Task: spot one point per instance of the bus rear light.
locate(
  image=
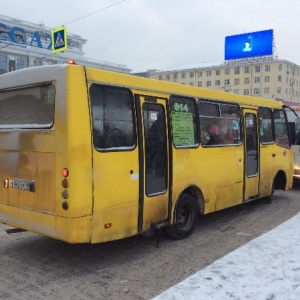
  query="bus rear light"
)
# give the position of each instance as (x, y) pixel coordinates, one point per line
(65, 172)
(65, 183)
(71, 62)
(65, 205)
(65, 194)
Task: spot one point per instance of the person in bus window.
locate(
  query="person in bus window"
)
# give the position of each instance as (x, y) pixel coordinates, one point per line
(213, 131)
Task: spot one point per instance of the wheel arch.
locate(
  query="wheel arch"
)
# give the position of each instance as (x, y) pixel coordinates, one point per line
(280, 181)
(196, 193)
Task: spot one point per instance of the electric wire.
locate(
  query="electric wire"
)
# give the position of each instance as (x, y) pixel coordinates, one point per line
(104, 8)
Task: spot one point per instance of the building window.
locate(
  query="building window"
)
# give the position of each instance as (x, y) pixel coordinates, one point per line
(208, 73)
(237, 70)
(247, 70)
(227, 82)
(208, 83)
(236, 91)
(183, 75)
(266, 90)
(246, 91)
(227, 71)
(280, 67)
(191, 74)
(159, 77)
(256, 79)
(175, 76)
(236, 81)
(199, 83)
(267, 78)
(199, 74)
(168, 77)
(217, 82)
(218, 72)
(256, 91)
(20, 63)
(191, 83)
(3, 64)
(267, 68)
(279, 78)
(246, 80)
(257, 69)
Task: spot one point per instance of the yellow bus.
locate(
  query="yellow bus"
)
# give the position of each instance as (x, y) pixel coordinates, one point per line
(89, 155)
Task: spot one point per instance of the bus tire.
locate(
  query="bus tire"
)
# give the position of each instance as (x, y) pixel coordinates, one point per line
(185, 218)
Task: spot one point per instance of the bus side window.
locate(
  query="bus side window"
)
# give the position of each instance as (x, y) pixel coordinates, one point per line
(265, 125)
(281, 130)
(183, 121)
(219, 124)
(113, 117)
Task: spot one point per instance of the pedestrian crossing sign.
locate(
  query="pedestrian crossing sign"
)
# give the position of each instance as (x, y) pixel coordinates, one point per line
(59, 39)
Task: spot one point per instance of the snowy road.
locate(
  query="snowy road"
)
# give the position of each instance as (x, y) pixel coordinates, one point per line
(268, 267)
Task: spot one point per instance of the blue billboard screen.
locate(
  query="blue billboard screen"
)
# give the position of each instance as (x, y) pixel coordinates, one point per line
(251, 44)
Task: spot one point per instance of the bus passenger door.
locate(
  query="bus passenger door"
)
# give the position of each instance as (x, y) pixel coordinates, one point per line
(251, 173)
(153, 161)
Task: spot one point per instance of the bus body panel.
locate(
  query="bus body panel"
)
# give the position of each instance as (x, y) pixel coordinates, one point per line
(38, 156)
(198, 166)
(71, 230)
(116, 184)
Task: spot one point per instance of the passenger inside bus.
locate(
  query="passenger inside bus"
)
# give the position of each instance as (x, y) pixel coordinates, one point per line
(213, 131)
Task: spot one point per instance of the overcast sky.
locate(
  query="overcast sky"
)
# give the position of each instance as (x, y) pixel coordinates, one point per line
(164, 34)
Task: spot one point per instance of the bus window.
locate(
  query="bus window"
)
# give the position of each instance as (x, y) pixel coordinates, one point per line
(265, 125)
(35, 102)
(183, 116)
(281, 130)
(156, 148)
(112, 111)
(219, 124)
(251, 145)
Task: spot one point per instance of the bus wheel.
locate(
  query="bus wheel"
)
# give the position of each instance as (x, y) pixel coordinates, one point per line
(185, 218)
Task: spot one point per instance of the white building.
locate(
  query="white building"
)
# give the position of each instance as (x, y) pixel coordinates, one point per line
(269, 78)
(24, 44)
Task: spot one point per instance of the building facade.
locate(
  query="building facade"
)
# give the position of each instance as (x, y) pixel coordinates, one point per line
(24, 44)
(268, 78)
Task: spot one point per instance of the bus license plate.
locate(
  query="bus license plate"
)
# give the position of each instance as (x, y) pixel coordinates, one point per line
(22, 184)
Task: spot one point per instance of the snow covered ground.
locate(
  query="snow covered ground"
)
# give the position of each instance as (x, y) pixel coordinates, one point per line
(266, 268)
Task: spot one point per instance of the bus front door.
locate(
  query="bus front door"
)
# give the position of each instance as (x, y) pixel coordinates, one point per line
(251, 174)
(153, 161)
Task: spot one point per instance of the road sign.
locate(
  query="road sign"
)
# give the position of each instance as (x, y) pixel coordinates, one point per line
(59, 39)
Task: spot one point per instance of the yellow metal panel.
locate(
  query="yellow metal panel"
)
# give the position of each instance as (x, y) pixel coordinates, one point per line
(71, 230)
(115, 223)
